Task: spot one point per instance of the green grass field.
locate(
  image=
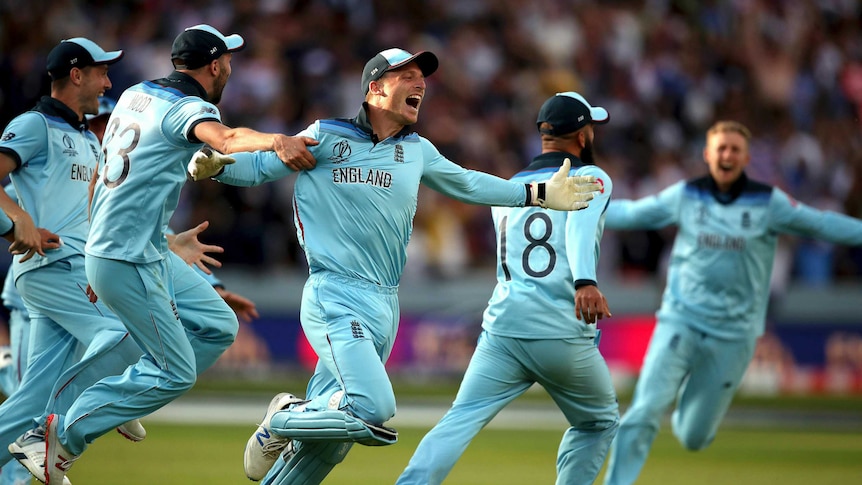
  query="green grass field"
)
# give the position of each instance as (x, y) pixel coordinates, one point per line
(199, 455)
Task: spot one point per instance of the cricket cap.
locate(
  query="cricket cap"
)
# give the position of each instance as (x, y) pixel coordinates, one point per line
(78, 52)
(568, 112)
(391, 59)
(201, 44)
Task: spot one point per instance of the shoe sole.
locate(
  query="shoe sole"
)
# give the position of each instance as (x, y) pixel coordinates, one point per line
(25, 461)
(131, 437)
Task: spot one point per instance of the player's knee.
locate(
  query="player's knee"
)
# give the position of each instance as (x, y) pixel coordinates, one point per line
(181, 379)
(376, 410)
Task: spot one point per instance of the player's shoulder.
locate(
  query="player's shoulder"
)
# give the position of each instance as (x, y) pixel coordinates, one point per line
(340, 128)
(25, 126)
(30, 118)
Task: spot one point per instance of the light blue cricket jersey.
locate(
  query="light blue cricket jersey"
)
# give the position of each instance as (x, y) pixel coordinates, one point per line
(56, 156)
(354, 211)
(542, 255)
(721, 261)
(147, 145)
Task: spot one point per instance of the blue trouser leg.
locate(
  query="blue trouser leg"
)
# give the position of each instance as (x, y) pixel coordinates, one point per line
(13, 473)
(143, 296)
(62, 320)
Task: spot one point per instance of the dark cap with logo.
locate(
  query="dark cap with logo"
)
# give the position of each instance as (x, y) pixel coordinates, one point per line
(201, 44)
(78, 52)
(394, 58)
(568, 112)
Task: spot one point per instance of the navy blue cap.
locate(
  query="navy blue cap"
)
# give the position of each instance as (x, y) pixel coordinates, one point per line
(394, 58)
(201, 44)
(568, 112)
(78, 52)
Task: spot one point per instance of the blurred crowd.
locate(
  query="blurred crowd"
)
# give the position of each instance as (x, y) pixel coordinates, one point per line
(666, 70)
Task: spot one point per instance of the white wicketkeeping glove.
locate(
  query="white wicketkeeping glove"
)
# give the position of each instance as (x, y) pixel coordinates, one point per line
(564, 193)
(207, 163)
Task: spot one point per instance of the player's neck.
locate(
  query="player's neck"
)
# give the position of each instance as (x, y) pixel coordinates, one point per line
(70, 99)
(382, 125)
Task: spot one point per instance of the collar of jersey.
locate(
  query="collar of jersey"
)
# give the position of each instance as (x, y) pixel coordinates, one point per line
(552, 160)
(185, 84)
(361, 122)
(732, 194)
(54, 107)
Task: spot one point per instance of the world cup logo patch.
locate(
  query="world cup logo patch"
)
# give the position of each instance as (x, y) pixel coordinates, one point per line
(340, 152)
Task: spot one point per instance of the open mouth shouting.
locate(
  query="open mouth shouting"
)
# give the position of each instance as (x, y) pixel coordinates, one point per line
(414, 100)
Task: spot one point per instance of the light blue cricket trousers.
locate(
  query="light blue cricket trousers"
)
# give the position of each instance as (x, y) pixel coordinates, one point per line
(14, 473)
(62, 319)
(701, 372)
(351, 324)
(19, 340)
(179, 320)
(572, 371)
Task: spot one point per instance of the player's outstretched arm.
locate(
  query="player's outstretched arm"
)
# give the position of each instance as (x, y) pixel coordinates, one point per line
(562, 192)
(292, 150)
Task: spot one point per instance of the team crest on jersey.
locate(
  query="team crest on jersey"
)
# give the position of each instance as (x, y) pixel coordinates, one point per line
(340, 152)
(702, 214)
(399, 153)
(746, 220)
(7, 136)
(70, 146)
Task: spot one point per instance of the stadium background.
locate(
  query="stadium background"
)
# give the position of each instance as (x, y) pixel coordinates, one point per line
(665, 70)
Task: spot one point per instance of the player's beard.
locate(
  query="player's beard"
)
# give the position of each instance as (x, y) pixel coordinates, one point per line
(218, 87)
(587, 153)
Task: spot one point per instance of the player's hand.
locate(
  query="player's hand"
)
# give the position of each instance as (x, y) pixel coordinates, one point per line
(590, 304)
(27, 239)
(187, 246)
(564, 193)
(207, 163)
(91, 295)
(49, 239)
(293, 151)
(244, 308)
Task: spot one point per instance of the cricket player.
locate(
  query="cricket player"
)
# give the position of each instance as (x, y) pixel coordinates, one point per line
(714, 305)
(49, 155)
(539, 326)
(354, 216)
(176, 317)
(13, 473)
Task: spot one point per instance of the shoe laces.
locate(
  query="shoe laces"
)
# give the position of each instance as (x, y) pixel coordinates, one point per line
(273, 447)
(35, 434)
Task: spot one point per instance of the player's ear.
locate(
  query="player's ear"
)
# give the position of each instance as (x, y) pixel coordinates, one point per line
(376, 87)
(214, 67)
(76, 75)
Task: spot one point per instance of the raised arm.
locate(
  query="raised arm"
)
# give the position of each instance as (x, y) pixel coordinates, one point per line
(652, 212)
(291, 150)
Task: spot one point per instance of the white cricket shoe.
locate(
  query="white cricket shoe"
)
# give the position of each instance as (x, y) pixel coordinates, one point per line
(132, 430)
(263, 447)
(29, 450)
(58, 460)
(5, 356)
